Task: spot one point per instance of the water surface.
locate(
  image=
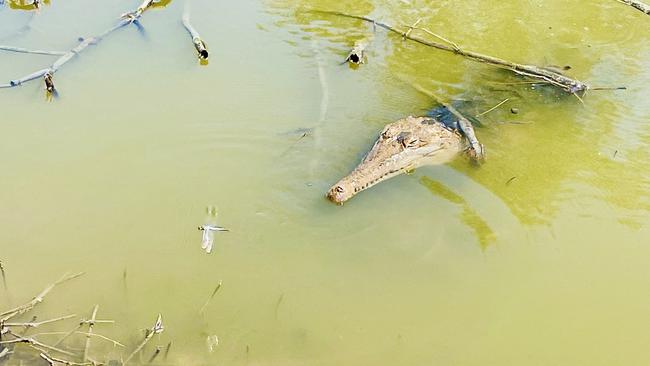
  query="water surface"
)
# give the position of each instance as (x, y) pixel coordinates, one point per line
(537, 257)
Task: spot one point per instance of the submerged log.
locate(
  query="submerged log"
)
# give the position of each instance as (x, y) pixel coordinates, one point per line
(568, 84)
(637, 5)
(199, 43)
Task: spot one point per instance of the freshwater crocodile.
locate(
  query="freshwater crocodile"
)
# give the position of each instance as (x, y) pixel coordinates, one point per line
(405, 145)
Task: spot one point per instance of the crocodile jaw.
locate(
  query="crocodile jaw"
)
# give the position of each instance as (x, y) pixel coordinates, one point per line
(401, 147)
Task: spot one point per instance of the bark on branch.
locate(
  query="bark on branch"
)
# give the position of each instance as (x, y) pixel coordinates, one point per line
(637, 5)
(48, 73)
(568, 84)
(198, 42)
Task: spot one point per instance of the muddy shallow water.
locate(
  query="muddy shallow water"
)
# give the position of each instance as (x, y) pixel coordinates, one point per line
(537, 257)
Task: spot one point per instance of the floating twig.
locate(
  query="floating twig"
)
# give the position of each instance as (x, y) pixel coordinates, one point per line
(5, 352)
(65, 57)
(35, 344)
(56, 361)
(36, 300)
(198, 42)
(156, 329)
(357, 55)
(155, 354)
(169, 346)
(568, 84)
(91, 324)
(38, 324)
(33, 52)
(4, 276)
(207, 302)
(493, 108)
(637, 5)
(510, 180)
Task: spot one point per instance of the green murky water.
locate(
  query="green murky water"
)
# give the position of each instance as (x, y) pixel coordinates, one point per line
(538, 257)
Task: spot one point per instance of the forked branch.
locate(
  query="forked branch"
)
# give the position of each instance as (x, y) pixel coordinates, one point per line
(568, 84)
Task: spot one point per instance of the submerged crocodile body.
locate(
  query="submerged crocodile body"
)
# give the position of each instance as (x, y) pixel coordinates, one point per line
(402, 146)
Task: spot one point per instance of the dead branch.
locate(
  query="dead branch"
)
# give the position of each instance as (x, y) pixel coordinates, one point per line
(198, 42)
(48, 72)
(35, 344)
(207, 302)
(156, 329)
(637, 5)
(33, 52)
(91, 324)
(22, 309)
(4, 276)
(568, 84)
(38, 324)
(358, 54)
(56, 361)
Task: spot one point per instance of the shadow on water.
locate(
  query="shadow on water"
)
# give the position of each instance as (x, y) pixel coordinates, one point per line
(468, 216)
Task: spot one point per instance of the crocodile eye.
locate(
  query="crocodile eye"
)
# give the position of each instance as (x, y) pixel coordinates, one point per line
(339, 189)
(385, 135)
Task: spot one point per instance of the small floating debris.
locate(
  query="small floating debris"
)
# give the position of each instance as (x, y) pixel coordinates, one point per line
(357, 55)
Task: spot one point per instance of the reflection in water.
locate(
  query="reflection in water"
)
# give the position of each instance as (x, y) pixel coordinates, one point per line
(468, 216)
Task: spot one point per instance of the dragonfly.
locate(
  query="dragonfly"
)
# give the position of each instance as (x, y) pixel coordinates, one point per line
(209, 229)
(208, 236)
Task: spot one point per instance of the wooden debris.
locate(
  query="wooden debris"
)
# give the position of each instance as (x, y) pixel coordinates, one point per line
(35, 324)
(91, 324)
(566, 83)
(33, 52)
(637, 5)
(199, 43)
(207, 302)
(357, 55)
(156, 329)
(35, 301)
(4, 276)
(65, 57)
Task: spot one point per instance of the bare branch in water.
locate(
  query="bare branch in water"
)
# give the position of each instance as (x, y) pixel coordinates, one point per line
(35, 344)
(198, 42)
(4, 276)
(48, 72)
(637, 5)
(33, 52)
(207, 303)
(36, 300)
(156, 329)
(56, 361)
(568, 84)
(38, 324)
(91, 324)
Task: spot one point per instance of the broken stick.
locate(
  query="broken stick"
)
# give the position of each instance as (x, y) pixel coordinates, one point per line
(48, 73)
(22, 309)
(568, 84)
(637, 5)
(156, 329)
(198, 42)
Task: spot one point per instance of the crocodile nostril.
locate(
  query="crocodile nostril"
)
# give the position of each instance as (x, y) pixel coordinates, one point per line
(339, 189)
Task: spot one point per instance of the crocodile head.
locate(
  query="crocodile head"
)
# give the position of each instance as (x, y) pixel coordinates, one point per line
(401, 147)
